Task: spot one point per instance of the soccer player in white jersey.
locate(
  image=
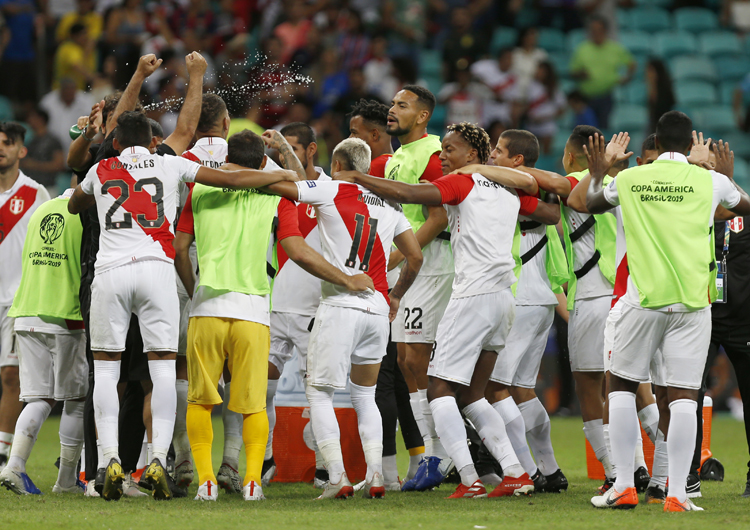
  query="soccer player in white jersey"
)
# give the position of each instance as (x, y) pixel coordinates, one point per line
(669, 291)
(136, 198)
(511, 386)
(476, 323)
(357, 229)
(20, 196)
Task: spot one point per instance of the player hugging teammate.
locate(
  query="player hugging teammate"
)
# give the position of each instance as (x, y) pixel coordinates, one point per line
(467, 231)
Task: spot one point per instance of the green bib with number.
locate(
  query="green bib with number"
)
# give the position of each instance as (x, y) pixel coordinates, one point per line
(232, 232)
(605, 241)
(51, 264)
(667, 217)
(407, 165)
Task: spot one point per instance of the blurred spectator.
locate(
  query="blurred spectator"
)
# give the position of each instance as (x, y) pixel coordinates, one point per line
(357, 90)
(464, 98)
(741, 104)
(736, 13)
(330, 82)
(406, 22)
(18, 66)
(125, 33)
(463, 45)
(84, 14)
(272, 82)
(558, 13)
(196, 26)
(64, 106)
(293, 32)
(306, 56)
(597, 63)
(494, 130)
(75, 58)
(379, 71)
(604, 9)
(660, 94)
(353, 42)
(498, 75)
(527, 56)
(104, 81)
(247, 119)
(544, 104)
(45, 157)
(583, 114)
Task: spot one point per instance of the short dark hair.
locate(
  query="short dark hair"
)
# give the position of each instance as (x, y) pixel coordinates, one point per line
(520, 142)
(76, 29)
(424, 96)
(156, 128)
(302, 131)
(371, 111)
(133, 129)
(246, 149)
(475, 136)
(580, 137)
(649, 144)
(13, 130)
(213, 109)
(601, 20)
(674, 130)
(110, 104)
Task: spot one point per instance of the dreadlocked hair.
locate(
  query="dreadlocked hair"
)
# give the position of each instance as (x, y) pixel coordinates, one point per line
(475, 136)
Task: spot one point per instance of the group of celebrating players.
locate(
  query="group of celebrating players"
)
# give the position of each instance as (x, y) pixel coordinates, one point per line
(230, 263)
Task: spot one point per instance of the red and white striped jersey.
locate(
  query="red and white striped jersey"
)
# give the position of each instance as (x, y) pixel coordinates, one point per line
(16, 206)
(294, 289)
(482, 215)
(357, 229)
(136, 198)
(210, 152)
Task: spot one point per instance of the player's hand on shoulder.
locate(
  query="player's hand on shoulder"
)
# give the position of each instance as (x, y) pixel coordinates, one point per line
(148, 64)
(360, 283)
(346, 176)
(273, 139)
(286, 174)
(196, 64)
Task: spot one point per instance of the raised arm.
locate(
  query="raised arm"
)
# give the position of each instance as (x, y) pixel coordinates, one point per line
(306, 257)
(181, 243)
(275, 140)
(549, 181)
(599, 165)
(725, 163)
(545, 213)
(506, 176)
(78, 152)
(80, 201)
(407, 244)
(243, 178)
(147, 65)
(395, 191)
(187, 121)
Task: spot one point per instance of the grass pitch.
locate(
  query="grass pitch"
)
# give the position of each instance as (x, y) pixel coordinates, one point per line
(292, 506)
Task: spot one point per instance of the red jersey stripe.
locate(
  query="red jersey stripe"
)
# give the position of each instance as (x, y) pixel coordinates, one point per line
(12, 211)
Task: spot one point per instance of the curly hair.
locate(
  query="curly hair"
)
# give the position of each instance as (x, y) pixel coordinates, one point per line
(475, 136)
(371, 111)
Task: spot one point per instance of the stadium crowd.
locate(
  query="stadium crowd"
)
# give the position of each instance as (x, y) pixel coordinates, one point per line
(201, 241)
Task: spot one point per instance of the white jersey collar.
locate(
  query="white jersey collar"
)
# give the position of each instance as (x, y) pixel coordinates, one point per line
(678, 157)
(135, 150)
(211, 140)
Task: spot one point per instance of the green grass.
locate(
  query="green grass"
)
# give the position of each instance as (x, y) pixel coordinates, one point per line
(292, 506)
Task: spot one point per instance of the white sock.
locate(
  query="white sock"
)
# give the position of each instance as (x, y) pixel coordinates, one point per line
(415, 401)
(491, 428)
(660, 469)
(163, 406)
(623, 430)
(516, 430)
(326, 429)
(414, 461)
(370, 425)
(681, 444)
(640, 459)
(180, 438)
(452, 431)
(71, 442)
(6, 440)
(649, 417)
(28, 426)
(538, 435)
(273, 384)
(233, 443)
(149, 452)
(143, 457)
(390, 469)
(107, 408)
(100, 455)
(83, 459)
(608, 443)
(435, 447)
(595, 435)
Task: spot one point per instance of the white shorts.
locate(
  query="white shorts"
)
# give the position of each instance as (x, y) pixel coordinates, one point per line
(656, 366)
(471, 325)
(146, 288)
(340, 337)
(287, 331)
(519, 363)
(52, 365)
(586, 334)
(682, 337)
(8, 354)
(185, 304)
(421, 309)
